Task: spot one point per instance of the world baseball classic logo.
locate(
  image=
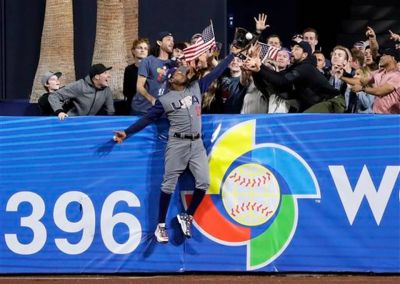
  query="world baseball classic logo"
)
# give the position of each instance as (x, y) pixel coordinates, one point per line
(252, 199)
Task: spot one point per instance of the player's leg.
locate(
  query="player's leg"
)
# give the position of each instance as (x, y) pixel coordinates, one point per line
(198, 165)
(176, 159)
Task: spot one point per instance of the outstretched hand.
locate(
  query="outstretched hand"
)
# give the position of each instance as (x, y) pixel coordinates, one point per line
(370, 33)
(253, 61)
(254, 51)
(252, 64)
(119, 136)
(394, 36)
(261, 22)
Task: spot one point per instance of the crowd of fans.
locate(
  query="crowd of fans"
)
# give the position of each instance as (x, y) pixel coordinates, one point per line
(364, 78)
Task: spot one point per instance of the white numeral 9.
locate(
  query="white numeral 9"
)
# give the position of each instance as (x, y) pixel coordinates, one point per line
(32, 222)
(86, 224)
(109, 221)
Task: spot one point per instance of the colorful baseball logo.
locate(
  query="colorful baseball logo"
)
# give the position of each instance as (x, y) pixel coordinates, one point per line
(252, 199)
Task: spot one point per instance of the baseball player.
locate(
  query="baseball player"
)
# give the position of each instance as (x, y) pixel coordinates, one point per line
(182, 106)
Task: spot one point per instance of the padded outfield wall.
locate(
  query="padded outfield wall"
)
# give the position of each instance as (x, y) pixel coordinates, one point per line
(288, 193)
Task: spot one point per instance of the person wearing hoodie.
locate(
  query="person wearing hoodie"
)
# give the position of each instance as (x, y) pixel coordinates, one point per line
(88, 96)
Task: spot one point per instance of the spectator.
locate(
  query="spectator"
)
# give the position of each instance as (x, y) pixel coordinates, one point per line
(342, 56)
(310, 35)
(340, 63)
(357, 59)
(360, 45)
(372, 42)
(275, 41)
(278, 102)
(140, 50)
(257, 96)
(321, 63)
(51, 83)
(88, 96)
(195, 37)
(301, 80)
(385, 83)
(177, 52)
(151, 75)
(233, 87)
(364, 102)
(261, 24)
(369, 59)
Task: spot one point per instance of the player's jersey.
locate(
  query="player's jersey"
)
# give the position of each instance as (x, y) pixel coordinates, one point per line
(183, 109)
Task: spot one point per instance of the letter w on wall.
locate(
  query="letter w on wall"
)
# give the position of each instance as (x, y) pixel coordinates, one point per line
(377, 199)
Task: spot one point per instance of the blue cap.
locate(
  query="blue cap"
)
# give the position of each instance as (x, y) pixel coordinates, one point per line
(163, 34)
(171, 71)
(392, 51)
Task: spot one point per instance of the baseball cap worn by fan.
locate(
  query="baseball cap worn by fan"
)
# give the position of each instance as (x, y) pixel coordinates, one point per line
(163, 34)
(48, 75)
(392, 51)
(98, 69)
(304, 45)
(360, 44)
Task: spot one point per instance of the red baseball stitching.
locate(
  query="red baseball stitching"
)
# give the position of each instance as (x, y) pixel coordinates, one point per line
(242, 207)
(250, 182)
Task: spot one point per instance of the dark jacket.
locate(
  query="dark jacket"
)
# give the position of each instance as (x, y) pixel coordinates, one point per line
(45, 107)
(130, 80)
(302, 81)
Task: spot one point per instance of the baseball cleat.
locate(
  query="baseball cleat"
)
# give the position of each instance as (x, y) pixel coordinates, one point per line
(161, 234)
(185, 221)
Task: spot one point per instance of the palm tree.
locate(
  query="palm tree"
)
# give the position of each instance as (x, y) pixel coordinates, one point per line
(117, 26)
(57, 45)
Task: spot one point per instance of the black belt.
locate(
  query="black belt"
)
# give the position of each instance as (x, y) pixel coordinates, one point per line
(187, 136)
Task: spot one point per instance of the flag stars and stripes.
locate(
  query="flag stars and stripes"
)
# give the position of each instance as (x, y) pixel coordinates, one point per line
(202, 44)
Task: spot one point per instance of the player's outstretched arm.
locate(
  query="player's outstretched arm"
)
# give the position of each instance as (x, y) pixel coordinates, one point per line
(154, 113)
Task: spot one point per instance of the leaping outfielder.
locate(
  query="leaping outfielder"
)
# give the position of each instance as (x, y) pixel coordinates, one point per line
(182, 106)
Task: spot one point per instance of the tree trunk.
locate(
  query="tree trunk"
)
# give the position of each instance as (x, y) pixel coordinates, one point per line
(117, 26)
(57, 45)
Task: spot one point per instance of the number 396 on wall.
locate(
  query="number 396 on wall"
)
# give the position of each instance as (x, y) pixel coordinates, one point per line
(86, 224)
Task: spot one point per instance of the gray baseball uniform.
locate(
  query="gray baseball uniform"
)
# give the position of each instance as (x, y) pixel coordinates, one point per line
(185, 146)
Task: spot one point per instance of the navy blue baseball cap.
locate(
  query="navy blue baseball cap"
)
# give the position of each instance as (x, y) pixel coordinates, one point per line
(392, 51)
(171, 71)
(304, 45)
(163, 34)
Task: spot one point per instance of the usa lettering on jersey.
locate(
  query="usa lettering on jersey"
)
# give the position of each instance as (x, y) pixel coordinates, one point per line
(185, 103)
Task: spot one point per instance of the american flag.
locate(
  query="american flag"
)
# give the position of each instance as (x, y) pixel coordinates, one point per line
(203, 43)
(268, 51)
